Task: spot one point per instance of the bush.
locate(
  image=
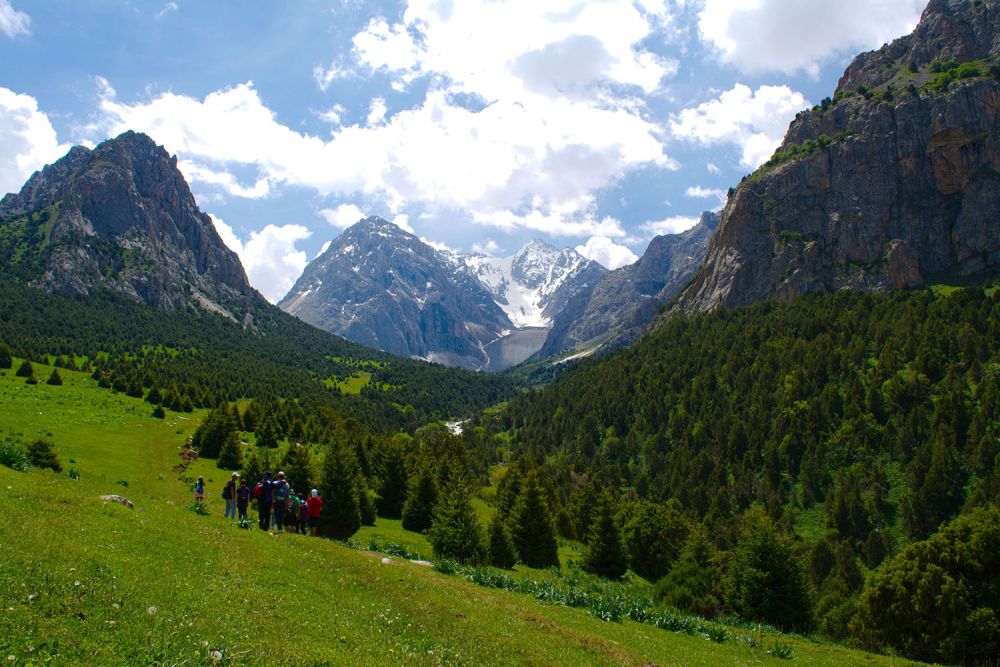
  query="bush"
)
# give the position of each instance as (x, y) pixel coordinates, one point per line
(939, 600)
(12, 454)
(42, 454)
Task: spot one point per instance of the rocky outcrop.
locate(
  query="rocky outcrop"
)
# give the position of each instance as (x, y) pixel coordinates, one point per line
(892, 183)
(626, 300)
(121, 217)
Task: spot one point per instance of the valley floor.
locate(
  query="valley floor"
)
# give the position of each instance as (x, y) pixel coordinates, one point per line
(85, 581)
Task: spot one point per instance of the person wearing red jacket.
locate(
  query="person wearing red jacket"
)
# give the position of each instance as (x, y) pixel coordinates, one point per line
(315, 504)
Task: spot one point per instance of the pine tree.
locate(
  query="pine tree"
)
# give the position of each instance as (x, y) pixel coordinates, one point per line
(605, 556)
(158, 412)
(365, 502)
(531, 528)
(154, 396)
(501, 552)
(231, 454)
(419, 508)
(253, 472)
(297, 464)
(42, 454)
(6, 359)
(341, 516)
(55, 379)
(267, 433)
(25, 369)
(392, 482)
(455, 532)
(693, 581)
(212, 433)
(765, 581)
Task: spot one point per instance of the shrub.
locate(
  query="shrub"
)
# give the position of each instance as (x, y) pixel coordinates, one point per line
(939, 600)
(42, 454)
(12, 454)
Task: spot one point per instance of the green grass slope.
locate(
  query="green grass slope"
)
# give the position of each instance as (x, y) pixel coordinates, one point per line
(84, 581)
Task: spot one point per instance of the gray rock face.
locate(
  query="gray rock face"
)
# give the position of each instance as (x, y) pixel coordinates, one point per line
(625, 301)
(907, 191)
(125, 220)
(380, 286)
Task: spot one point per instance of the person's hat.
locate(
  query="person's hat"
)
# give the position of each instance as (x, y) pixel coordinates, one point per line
(281, 474)
(236, 474)
(315, 493)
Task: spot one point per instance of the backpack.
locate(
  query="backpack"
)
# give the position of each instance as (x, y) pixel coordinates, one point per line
(225, 492)
(256, 491)
(281, 493)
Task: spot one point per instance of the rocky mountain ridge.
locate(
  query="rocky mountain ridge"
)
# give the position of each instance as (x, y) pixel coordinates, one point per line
(381, 286)
(121, 217)
(891, 183)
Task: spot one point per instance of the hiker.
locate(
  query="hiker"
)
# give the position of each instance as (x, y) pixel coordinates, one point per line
(315, 504)
(303, 515)
(293, 511)
(199, 490)
(263, 494)
(243, 499)
(229, 495)
(281, 492)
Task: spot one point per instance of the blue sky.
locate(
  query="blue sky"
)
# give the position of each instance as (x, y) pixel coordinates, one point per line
(477, 125)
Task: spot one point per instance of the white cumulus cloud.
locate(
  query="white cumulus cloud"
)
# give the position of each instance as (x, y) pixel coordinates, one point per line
(530, 109)
(12, 21)
(27, 140)
(792, 35)
(755, 120)
(672, 225)
(270, 257)
(487, 247)
(606, 252)
(343, 216)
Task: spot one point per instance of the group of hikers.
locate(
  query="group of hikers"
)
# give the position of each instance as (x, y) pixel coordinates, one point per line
(278, 505)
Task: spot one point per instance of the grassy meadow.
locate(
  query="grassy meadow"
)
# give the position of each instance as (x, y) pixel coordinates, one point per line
(84, 581)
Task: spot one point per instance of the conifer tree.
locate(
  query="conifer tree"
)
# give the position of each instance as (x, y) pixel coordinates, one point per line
(154, 396)
(254, 471)
(365, 502)
(419, 507)
(653, 537)
(765, 581)
(501, 551)
(209, 437)
(393, 481)
(605, 556)
(297, 464)
(531, 527)
(267, 433)
(693, 581)
(455, 532)
(158, 412)
(42, 454)
(341, 516)
(55, 379)
(6, 359)
(25, 369)
(231, 454)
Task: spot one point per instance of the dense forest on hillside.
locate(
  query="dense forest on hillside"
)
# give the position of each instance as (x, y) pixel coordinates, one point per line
(207, 358)
(853, 424)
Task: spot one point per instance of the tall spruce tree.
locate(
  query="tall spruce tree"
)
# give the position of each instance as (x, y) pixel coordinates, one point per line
(418, 511)
(501, 551)
(341, 515)
(531, 527)
(254, 471)
(55, 379)
(298, 468)
(455, 531)
(366, 504)
(209, 437)
(231, 453)
(6, 359)
(393, 480)
(25, 369)
(605, 556)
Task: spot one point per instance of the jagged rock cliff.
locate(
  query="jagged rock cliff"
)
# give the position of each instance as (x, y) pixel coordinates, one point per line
(892, 183)
(626, 300)
(121, 217)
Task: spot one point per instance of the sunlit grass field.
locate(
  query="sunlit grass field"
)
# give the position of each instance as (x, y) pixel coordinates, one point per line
(89, 582)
